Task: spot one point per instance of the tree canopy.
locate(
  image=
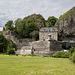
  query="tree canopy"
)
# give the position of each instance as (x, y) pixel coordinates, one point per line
(52, 20)
(9, 25)
(6, 46)
(30, 24)
(3, 43)
(25, 28)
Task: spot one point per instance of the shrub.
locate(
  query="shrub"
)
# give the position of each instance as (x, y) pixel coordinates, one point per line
(11, 47)
(57, 54)
(73, 57)
(71, 51)
(60, 54)
(32, 53)
(10, 51)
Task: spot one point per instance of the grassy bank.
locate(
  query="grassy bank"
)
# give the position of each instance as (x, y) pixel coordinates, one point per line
(28, 65)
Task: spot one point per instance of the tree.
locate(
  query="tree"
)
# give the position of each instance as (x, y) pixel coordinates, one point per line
(31, 26)
(52, 20)
(9, 25)
(11, 47)
(25, 28)
(34, 35)
(72, 50)
(73, 57)
(16, 23)
(3, 43)
(6, 46)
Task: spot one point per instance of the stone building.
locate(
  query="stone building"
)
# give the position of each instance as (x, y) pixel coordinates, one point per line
(45, 31)
(45, 46)
(25, 50)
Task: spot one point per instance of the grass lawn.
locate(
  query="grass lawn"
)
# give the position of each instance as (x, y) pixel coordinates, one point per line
(28, 65)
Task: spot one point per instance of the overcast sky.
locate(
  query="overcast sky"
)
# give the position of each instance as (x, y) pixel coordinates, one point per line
(13, 9)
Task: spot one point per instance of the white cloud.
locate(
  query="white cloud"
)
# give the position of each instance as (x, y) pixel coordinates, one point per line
(1, 28)
(13, 9)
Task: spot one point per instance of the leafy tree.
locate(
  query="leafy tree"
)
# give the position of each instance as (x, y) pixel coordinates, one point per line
(16, 23)
(34, 35)
(6, 46)
(9, 25)
(52, 20)
(10, 50)
(36, 18)
(11, 47)
(19, 28)
(72, 50)
(73, 57)
(31, 26)
(3, 43)
(47, 23)
(25, 28)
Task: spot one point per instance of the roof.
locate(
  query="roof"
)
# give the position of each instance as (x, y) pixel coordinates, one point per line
(26, 48)
(48, 29)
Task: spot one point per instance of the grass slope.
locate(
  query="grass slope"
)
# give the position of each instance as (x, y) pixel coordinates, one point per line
(27, 65)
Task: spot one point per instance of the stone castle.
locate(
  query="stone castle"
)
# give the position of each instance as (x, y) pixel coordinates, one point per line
(48, 37)
(46, 45)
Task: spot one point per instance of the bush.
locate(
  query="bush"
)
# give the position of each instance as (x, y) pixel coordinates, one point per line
(11, 47)
(32, 53)
(71, 51)
(10, 51)
(60, 54)
(73, 57)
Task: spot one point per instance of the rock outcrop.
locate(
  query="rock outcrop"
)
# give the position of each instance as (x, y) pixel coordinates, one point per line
(66, 24)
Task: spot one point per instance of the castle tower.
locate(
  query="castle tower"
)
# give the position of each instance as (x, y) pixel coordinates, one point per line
(46, 31)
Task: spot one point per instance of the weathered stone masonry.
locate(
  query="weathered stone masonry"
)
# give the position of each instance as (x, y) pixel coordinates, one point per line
(43, 47)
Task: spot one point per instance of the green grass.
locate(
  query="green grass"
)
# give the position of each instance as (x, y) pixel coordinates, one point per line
(28, 65)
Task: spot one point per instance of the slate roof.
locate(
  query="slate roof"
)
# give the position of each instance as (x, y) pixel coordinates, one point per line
(46, 29)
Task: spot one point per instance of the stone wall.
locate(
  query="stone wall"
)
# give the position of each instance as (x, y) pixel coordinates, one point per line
(16, 39)
(41, 48)
(67, 45)
(54, 35)
(55, 45)
(47, 47)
